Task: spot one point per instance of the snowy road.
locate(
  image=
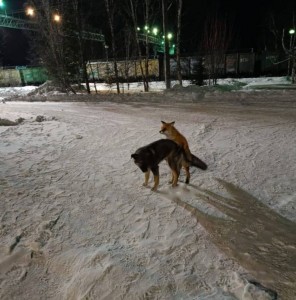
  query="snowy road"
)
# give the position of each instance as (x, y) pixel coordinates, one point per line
(76, 223)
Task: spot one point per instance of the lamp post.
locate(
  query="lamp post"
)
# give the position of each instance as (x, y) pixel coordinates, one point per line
(292, 54)
(291, 32)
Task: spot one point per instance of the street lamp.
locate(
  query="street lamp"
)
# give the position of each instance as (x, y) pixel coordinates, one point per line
(155, 30)
(291, 63)
(291, 32)
(57, 18)
(2, 6)
(30, 11)
(170, 36)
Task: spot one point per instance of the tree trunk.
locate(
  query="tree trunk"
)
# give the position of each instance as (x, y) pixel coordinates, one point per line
(133, 12)
(178, 50)
(110, 15)
(166, 46)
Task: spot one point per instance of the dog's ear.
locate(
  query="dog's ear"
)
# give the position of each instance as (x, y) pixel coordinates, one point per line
(163, 122)
(172, 123)
(134, 156)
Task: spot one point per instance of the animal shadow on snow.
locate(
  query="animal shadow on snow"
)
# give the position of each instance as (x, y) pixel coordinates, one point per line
(260, 239)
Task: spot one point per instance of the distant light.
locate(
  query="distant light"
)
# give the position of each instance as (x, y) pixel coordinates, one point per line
(138, 28)
(292, 31)
(57, 18)
(170, 36)
(30, 11)
(155, 30)
(2, 4)
(146, 27)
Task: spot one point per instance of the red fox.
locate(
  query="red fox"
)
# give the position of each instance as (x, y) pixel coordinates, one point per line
(169, 130)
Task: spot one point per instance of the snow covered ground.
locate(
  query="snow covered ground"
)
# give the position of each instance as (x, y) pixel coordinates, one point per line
(76, 222)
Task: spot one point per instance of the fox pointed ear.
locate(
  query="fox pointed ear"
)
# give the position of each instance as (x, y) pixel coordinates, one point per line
(163, 122)
(172, 123)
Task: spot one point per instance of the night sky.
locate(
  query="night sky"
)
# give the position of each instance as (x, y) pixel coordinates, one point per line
(249, 21)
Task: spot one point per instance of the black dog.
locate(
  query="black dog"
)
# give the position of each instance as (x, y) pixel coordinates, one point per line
(148, 157)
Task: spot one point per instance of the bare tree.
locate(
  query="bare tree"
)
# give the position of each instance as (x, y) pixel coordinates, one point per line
(178, 42)
(147, 21)
(132, 11)
(53, 43)
(129, 52)
(110, 8)
(290, 51)
(3, 36)
(78, 29)
(216, 40)
(167, 75)
(281, 39)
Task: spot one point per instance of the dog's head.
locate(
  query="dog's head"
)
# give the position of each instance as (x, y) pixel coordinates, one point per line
(139, 162)
(166, 128)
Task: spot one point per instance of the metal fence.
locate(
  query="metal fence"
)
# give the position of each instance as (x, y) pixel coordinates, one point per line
(228, 65)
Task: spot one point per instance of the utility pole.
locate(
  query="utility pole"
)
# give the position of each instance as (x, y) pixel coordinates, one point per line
(166, 46)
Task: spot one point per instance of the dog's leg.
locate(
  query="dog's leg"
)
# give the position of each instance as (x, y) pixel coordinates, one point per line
(172, 180)
(186, 168)
(175, 177)
(186, 164)
(155, 172)
(175, 168)
(147, 175)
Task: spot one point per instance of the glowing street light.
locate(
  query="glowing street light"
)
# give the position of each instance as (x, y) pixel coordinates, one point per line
(292, 31)
(57, 18)
(146, 27)
(30, 12)
(155, 30)
(170, 36)
(3, 6)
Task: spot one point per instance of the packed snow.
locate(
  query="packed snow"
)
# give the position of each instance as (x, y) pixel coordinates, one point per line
(76, 222)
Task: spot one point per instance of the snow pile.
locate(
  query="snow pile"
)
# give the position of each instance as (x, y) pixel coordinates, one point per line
(13, 92)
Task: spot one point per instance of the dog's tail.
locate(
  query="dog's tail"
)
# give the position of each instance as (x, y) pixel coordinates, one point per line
(196, 162)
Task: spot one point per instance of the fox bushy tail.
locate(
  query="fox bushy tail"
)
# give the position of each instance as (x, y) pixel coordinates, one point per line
(196, 162)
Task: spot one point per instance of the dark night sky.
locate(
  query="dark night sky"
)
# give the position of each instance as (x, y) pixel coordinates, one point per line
(248, 18)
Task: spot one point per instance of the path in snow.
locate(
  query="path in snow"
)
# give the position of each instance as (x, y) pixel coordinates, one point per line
(76, 222)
